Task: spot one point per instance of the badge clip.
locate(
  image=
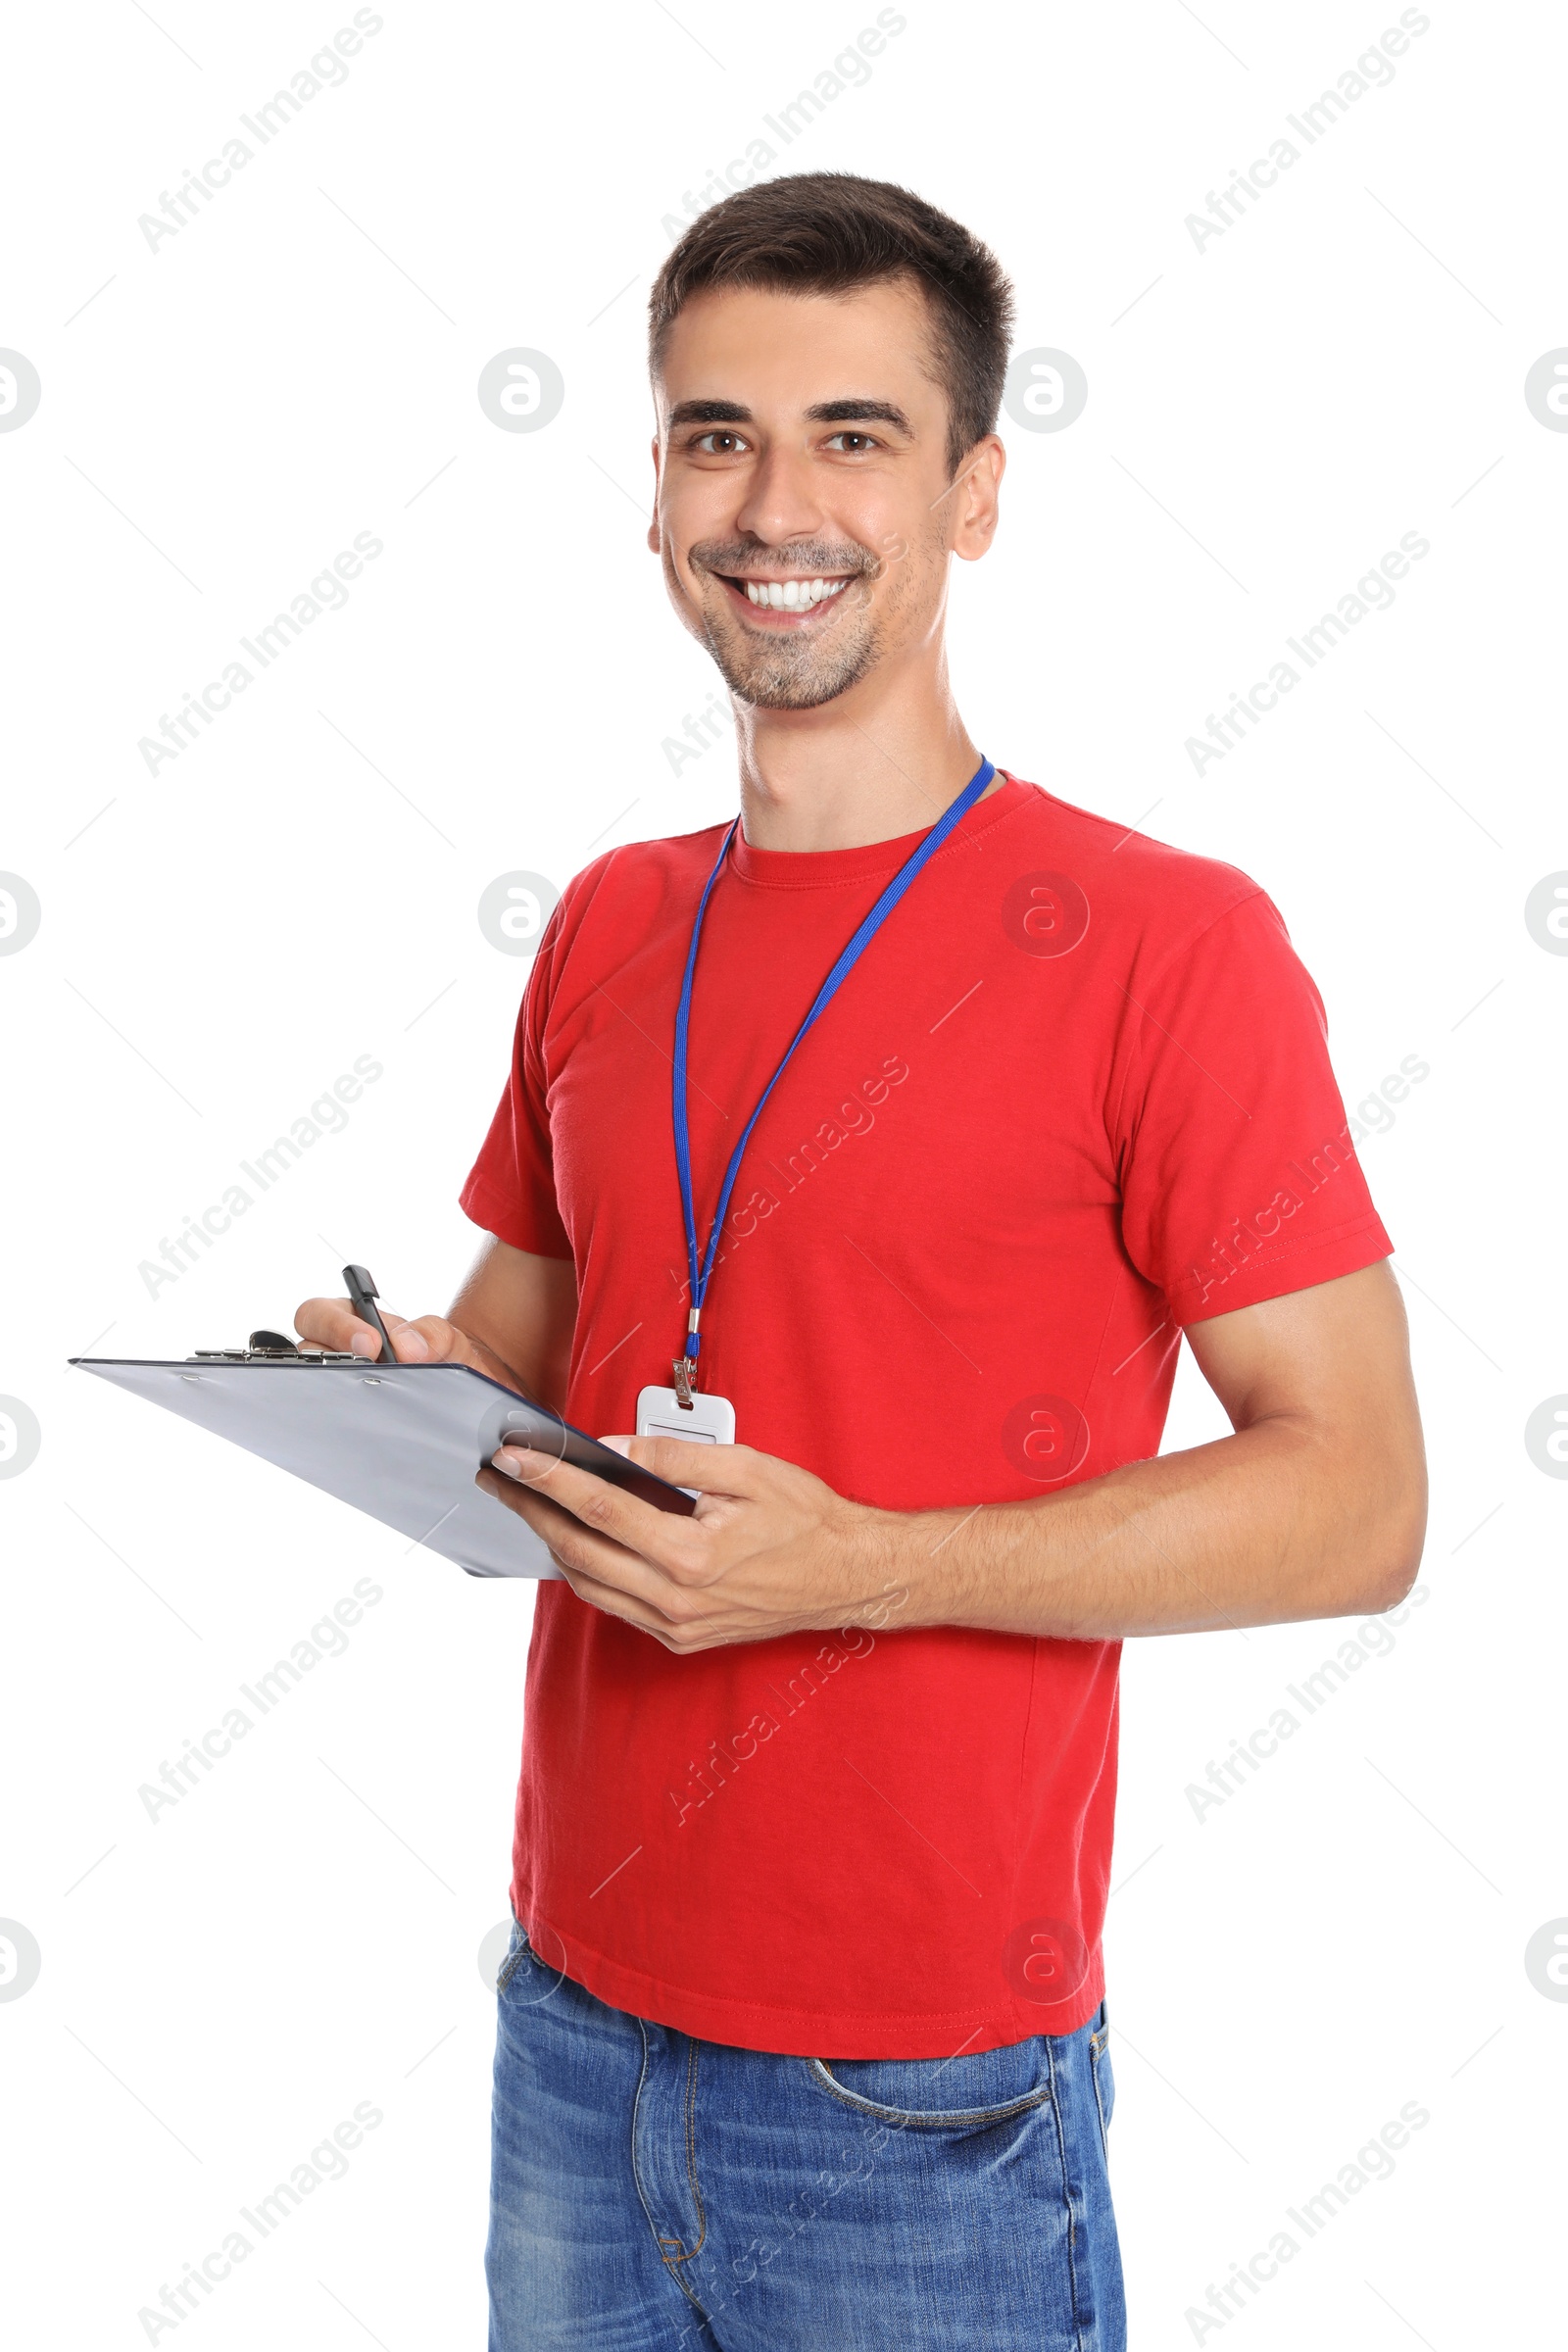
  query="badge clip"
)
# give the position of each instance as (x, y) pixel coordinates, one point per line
(684, 1366)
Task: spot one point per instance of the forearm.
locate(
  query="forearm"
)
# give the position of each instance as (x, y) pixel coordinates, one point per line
(1282, 1521)
(519, 1311)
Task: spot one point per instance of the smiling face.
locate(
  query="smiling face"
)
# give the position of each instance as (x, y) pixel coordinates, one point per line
(805, 509)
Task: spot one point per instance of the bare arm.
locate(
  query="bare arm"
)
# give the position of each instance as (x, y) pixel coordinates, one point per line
(511, 1318)
(1315, 1507)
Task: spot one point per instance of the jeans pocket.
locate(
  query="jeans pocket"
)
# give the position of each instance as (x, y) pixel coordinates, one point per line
(935, 2095)
(518, 1951)
(1105, 2084)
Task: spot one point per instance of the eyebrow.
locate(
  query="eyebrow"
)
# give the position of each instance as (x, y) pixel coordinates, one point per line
(824, 412)
(709, 412)
(859, 411)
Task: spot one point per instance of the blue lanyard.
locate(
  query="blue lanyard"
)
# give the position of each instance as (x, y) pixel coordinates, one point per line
(700, 1277)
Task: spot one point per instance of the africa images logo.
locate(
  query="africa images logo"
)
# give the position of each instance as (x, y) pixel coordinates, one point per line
(1046, 1962)
(1046, 1437)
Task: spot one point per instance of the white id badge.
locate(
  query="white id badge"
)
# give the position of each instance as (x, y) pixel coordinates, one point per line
(710, 1420)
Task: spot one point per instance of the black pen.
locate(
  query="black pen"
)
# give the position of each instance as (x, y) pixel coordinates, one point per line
(363, 1295)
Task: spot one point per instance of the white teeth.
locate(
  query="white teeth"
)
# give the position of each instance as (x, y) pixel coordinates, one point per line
(786, 596)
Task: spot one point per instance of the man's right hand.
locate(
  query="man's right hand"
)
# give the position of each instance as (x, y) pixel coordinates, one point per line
(427, 1340)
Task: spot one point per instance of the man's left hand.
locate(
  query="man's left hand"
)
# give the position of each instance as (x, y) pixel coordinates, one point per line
(769, 1549)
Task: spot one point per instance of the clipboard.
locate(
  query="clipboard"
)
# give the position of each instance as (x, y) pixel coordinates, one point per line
(400, 1442)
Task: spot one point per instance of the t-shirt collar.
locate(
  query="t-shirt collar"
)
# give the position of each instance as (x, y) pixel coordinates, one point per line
(814, 869)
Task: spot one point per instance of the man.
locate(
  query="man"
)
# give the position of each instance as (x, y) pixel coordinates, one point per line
(803, 2034)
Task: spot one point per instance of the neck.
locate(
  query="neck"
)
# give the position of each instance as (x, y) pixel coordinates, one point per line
(884, 759)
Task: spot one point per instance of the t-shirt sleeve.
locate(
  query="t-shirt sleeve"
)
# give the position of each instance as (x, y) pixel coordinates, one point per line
(511, 1189)
(1238, 1175)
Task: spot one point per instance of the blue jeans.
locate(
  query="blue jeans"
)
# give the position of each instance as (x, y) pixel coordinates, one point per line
(655, 2194)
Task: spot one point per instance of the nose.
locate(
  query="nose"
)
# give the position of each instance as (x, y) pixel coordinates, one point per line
(782, 500)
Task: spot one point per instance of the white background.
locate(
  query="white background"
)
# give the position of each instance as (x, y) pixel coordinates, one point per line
(219, 940)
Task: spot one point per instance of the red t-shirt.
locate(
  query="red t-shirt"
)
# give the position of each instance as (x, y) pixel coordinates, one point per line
(1075, 1095)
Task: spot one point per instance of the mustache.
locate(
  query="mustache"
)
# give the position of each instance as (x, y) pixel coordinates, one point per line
(815, 558)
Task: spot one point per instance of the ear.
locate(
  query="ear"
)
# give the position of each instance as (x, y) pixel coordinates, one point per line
(977, 498)
(654, 540)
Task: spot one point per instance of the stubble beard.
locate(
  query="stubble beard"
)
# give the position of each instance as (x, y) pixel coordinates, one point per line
(776, 672)
(784, 674)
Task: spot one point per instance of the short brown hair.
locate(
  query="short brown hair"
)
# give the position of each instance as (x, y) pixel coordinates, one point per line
(826, 232)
